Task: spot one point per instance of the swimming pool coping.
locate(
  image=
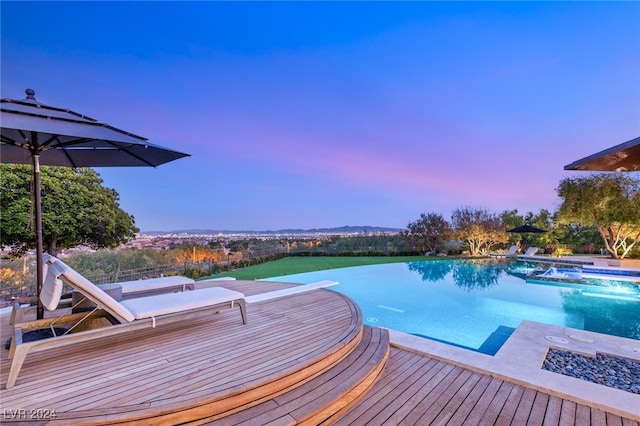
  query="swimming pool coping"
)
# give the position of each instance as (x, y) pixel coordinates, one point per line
(289, 291)
(520, 360)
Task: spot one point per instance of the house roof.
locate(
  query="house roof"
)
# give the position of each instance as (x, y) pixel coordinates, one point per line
(620, 158)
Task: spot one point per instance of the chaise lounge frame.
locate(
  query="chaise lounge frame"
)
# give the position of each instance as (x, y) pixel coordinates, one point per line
(108, 309)
(512, 252)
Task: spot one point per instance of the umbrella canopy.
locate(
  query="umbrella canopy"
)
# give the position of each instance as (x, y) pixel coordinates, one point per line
(35, 133)
(624, 157)
(526, 229)
(65, 138)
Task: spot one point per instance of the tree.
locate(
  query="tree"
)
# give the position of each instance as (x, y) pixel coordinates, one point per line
(511, 219)
(610, 202)
(543, 220)
(197, 253)
(429, 232)
(479, 229)
(76, 210)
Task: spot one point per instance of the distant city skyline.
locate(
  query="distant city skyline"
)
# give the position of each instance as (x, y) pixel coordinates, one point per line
(327, 114)
(335, 230)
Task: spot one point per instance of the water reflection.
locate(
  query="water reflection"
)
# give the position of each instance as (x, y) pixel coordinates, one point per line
(602, 313)
(431, 270)
(466, 274)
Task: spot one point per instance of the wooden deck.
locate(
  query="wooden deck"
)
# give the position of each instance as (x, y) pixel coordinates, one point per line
(301, 359)
(418, 390)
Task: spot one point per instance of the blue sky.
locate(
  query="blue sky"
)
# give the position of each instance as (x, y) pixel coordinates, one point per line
(308, 115)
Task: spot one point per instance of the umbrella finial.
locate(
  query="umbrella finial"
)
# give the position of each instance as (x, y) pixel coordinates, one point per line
(31, 94)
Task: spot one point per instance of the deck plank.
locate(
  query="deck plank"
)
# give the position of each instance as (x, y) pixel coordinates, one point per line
(402, 370)
(457, 400)
(552, 413)
(613, 420)
(467, 405)
(511, 404)
(536, 417)
(449, 400)
(524, 407)
(497, 404)
(568, 413)
(423, 393)
(583, 415)
(483, 403)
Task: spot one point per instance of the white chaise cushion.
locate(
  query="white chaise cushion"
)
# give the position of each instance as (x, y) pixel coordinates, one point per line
(61, 270)
(162, 304)
(51, 288)
(156, 284)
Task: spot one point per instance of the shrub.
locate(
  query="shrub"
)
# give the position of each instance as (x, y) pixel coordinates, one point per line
(194, 272)
(561, 251)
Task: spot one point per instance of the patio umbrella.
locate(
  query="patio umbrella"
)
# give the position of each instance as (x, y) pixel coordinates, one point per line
(38, 134)
(526, 229)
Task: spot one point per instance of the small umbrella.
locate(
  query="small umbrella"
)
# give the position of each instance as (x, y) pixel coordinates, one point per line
(526, 229)
(34, 133)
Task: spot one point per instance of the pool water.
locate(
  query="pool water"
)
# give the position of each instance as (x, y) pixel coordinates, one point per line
(476, 304)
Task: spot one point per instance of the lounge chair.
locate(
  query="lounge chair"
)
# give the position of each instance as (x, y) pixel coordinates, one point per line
(513, 250)
(128, 289)
(138, 288)
(110, 317)
(172, 284)
(530, 254)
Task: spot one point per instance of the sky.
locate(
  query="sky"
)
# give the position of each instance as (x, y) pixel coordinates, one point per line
(325, 114)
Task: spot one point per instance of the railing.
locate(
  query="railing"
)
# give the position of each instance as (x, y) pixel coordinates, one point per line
(250, 258)
(135, 274)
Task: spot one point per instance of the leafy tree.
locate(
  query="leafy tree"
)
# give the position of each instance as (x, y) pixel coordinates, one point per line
(570, 233)
(479, 229)
(511, 219)
(112, 262)
(610, 202)
(15, 275)
(429, 232)
(76, 210)
(543, 220)
(197, 253)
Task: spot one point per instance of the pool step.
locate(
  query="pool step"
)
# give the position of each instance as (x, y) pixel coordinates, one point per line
(326, 395)
(495, 341)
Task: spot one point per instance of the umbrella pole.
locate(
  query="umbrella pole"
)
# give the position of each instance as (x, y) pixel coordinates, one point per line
(38, 219)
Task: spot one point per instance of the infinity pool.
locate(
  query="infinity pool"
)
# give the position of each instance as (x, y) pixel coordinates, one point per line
(477, 304)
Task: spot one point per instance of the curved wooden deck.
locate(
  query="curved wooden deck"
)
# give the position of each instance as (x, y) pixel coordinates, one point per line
(187, 371)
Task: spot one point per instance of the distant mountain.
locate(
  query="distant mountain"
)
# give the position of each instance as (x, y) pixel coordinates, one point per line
(338, 230)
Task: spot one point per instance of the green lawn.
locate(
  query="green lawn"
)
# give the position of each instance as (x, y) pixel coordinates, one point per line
(297, 265)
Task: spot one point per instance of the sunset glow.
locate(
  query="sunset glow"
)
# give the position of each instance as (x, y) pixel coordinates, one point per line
(310, 115)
